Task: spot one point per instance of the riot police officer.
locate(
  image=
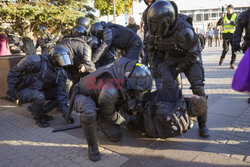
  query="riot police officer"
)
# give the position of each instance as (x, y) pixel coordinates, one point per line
(144, 16)
(117, 36)
(103, 92)
(77, 31)
(108, 57)
(242, 22)
(84, 21)
(43, 40)
(174, 43)
(34, 80)
(80, 53)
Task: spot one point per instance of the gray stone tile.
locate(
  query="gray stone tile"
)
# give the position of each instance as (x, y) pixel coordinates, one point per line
(215, 160)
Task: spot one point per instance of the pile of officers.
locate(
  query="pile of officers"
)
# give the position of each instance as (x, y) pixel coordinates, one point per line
(111, 92)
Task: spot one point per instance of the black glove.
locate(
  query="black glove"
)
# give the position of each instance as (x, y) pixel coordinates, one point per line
(10, 95)
(237, 47)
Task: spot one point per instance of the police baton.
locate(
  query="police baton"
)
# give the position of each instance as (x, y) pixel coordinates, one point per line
(71, 102)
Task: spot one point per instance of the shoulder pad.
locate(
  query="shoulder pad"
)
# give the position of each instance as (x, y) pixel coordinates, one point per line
(184, 20)
(186, 38)
(109, 24)
(32, 59)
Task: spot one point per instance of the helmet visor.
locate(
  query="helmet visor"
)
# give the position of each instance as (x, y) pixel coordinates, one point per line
(158, 29)
(64, 60)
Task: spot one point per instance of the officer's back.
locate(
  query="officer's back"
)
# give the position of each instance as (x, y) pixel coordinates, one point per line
(122, 36)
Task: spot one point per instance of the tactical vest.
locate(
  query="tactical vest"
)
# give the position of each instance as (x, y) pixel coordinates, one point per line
(116, 70)
(227, 27)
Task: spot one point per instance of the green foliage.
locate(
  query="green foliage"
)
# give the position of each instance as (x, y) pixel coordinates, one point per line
(56, 16)
(106, 6)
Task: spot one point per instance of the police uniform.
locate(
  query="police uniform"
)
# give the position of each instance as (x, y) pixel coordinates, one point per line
(81, 55)
(43, 42)
(174, 44)
(120, 37)
(35, 80)
(243, 22)
(103, 92)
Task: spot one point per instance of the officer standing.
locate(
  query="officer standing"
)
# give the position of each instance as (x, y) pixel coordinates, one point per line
(103, 92)
(242, 22)
(117, 36)
(144, 17)
(228, 23)
(34, 80)
(174, 44)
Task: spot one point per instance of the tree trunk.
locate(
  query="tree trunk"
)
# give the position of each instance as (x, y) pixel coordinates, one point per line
(29, 47)
(28, 43)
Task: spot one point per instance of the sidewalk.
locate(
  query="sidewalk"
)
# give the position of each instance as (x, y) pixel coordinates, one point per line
(22, 143)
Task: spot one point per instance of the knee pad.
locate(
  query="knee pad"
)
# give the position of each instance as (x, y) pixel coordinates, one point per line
(39, 98)
(83, 103)
(88, 117)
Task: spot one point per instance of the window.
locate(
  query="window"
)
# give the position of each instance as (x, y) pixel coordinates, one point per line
(214, 15)
(206, 16)
(199, 17)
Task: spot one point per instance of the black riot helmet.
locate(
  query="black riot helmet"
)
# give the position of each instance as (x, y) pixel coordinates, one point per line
(94, 42)
(60, 56)
(161, 17)
(140, 80)
(97, 29)
(84, 21)
(79, 30)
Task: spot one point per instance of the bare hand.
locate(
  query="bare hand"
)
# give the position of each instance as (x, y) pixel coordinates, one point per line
(83, 69)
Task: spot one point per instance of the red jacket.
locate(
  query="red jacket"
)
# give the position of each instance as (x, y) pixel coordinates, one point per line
(4, 49)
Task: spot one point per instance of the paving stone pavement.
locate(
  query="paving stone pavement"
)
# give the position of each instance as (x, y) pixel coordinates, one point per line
(22, 143)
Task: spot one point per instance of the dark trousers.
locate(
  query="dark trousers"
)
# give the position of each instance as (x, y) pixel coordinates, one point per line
(210, 41)
(226, 43)
(194, 74)
(135, 50)
(37, 99)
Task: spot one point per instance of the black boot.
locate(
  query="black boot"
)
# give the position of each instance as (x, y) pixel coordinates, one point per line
(221, 61)
(89, 126)
(112, 131)
(42, 123)
(232, 66)
(38, 115)
(48, 117)
(203, 130)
